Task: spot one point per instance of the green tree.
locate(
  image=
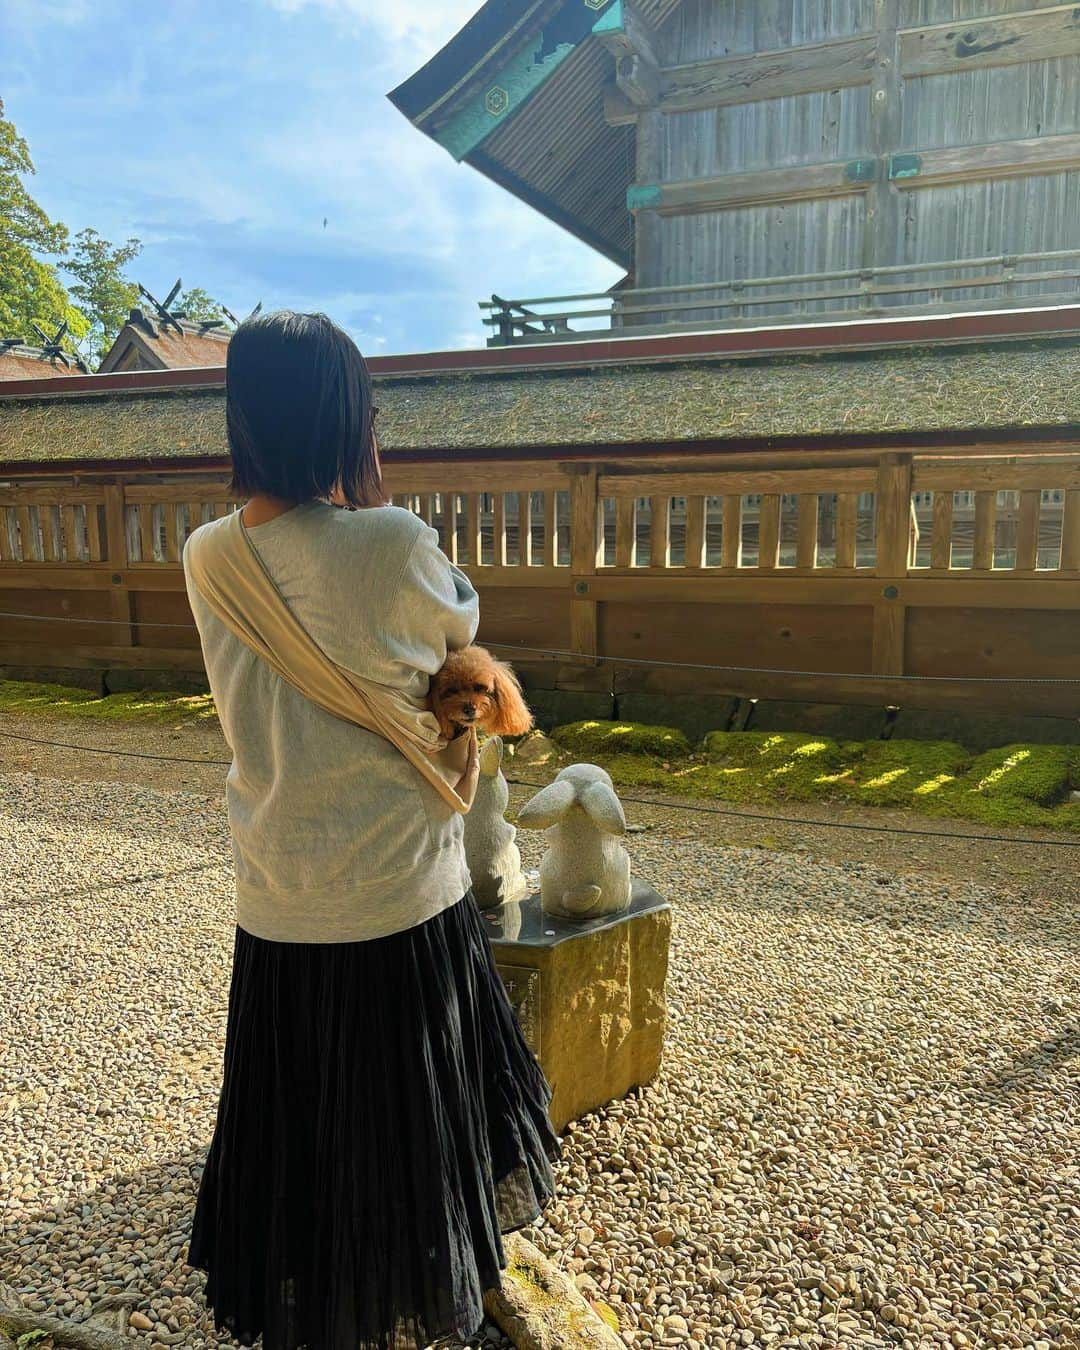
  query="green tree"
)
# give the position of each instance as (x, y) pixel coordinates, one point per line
(30, 289)
(103, 292)
(198, 306)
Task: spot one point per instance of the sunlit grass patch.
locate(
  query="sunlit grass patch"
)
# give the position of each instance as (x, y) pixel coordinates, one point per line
(621, 738)
(146, 705)
(893, 773)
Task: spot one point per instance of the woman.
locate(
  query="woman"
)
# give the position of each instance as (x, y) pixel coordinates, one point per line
(381, 1120)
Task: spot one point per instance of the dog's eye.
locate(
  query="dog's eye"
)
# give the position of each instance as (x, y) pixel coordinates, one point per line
(451, 689)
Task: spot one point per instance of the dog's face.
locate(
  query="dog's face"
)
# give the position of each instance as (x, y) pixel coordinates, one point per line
(475, 690)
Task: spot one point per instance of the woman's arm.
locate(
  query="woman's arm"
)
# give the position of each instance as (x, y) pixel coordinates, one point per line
(435, 609)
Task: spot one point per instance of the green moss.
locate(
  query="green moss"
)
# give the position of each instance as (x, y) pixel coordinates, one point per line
(900, 773)
(757, 766)
(621, 738)
(147, 706)
(1013, 786)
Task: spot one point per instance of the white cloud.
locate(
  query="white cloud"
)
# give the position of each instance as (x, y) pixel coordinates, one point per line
(421, 26)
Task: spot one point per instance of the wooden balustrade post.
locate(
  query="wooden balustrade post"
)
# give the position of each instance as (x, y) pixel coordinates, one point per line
(121, 634)
(586, 541)
(894, 543)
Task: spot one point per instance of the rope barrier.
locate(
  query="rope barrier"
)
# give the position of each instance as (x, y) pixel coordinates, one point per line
(641, 801)
(642, 660)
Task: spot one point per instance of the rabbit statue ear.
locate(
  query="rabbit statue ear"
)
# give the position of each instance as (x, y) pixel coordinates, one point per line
(491, 756)
(603, 808)
(548, 806)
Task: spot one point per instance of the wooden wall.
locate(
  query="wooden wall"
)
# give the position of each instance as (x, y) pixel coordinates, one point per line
(788, 137)
(807, 568)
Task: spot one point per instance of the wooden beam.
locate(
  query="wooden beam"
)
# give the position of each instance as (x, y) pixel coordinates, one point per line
(640, 81)
(1001, 159)
(629, 33)
(833, 179)
(1000, 40)
(805, 69)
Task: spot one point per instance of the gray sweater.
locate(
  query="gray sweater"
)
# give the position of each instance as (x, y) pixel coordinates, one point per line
(336, 838)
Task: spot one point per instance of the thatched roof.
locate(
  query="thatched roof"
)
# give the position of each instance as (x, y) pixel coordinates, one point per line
(31, 363)
(146, 344)
(1013, 385)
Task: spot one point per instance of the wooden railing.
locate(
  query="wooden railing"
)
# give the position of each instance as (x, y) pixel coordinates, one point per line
(1002, 281)
(875, 577)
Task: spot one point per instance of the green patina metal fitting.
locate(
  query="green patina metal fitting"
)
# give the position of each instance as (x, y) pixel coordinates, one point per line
(511, 86)
(861, 171)
(611, 21)
(905, 166)
(640, 196)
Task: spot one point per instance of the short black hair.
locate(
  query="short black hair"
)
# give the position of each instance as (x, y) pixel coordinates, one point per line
(299, 411)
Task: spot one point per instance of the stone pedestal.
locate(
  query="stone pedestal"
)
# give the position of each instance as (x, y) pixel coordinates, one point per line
(589, 995)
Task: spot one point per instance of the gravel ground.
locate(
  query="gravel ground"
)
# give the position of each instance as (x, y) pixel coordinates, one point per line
(866, 1133)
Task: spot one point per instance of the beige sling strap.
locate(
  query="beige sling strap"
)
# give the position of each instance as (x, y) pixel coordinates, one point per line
(233, 580)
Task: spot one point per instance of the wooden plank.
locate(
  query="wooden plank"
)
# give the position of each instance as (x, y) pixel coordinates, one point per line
(450, 527)
(985, 517)
(115, 532)
(881, 218)
(695, 531)
(1000, 40)
(7, 549)
(70, 527)
(758, 187)
(87, 657)
(805, 69)
(513, 476)
(525, 542)
(473, 541)
(769, 531)
(746, 586)
(28, 545)
(533, 578)
(625, 532)
(551, 528)
(660, 531)
(62, 577)
(1003, 590)
(209, 490)
(639, 81)
(49, 542)
(427, 508)
(194, 516)
(1070, 532)
(172, 533)
(1002, 159)
(498, 528)
(20, 495)
(807, 530)
(847, 506)
(738, 483)
(894, 516)
(93, 532)
(1001, 473)
(888, 638)
(941, 535)
(586, 543)
(147, 552)
(731, 535)
(1027, 531)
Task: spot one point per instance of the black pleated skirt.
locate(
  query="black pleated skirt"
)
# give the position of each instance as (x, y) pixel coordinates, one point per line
(382, 1122)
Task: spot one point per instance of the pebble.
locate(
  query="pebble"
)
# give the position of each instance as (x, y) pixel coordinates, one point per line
(860, 1135)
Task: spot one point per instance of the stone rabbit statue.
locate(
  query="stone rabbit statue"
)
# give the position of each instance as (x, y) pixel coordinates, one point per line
(490, 851)
(585, 873)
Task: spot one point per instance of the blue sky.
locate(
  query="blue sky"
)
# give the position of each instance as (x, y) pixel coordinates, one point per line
(223, 133)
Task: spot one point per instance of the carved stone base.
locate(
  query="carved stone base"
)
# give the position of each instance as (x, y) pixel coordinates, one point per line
(589, 995)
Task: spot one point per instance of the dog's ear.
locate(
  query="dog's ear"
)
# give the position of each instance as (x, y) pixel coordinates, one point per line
(513, 717)
(435, 702)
